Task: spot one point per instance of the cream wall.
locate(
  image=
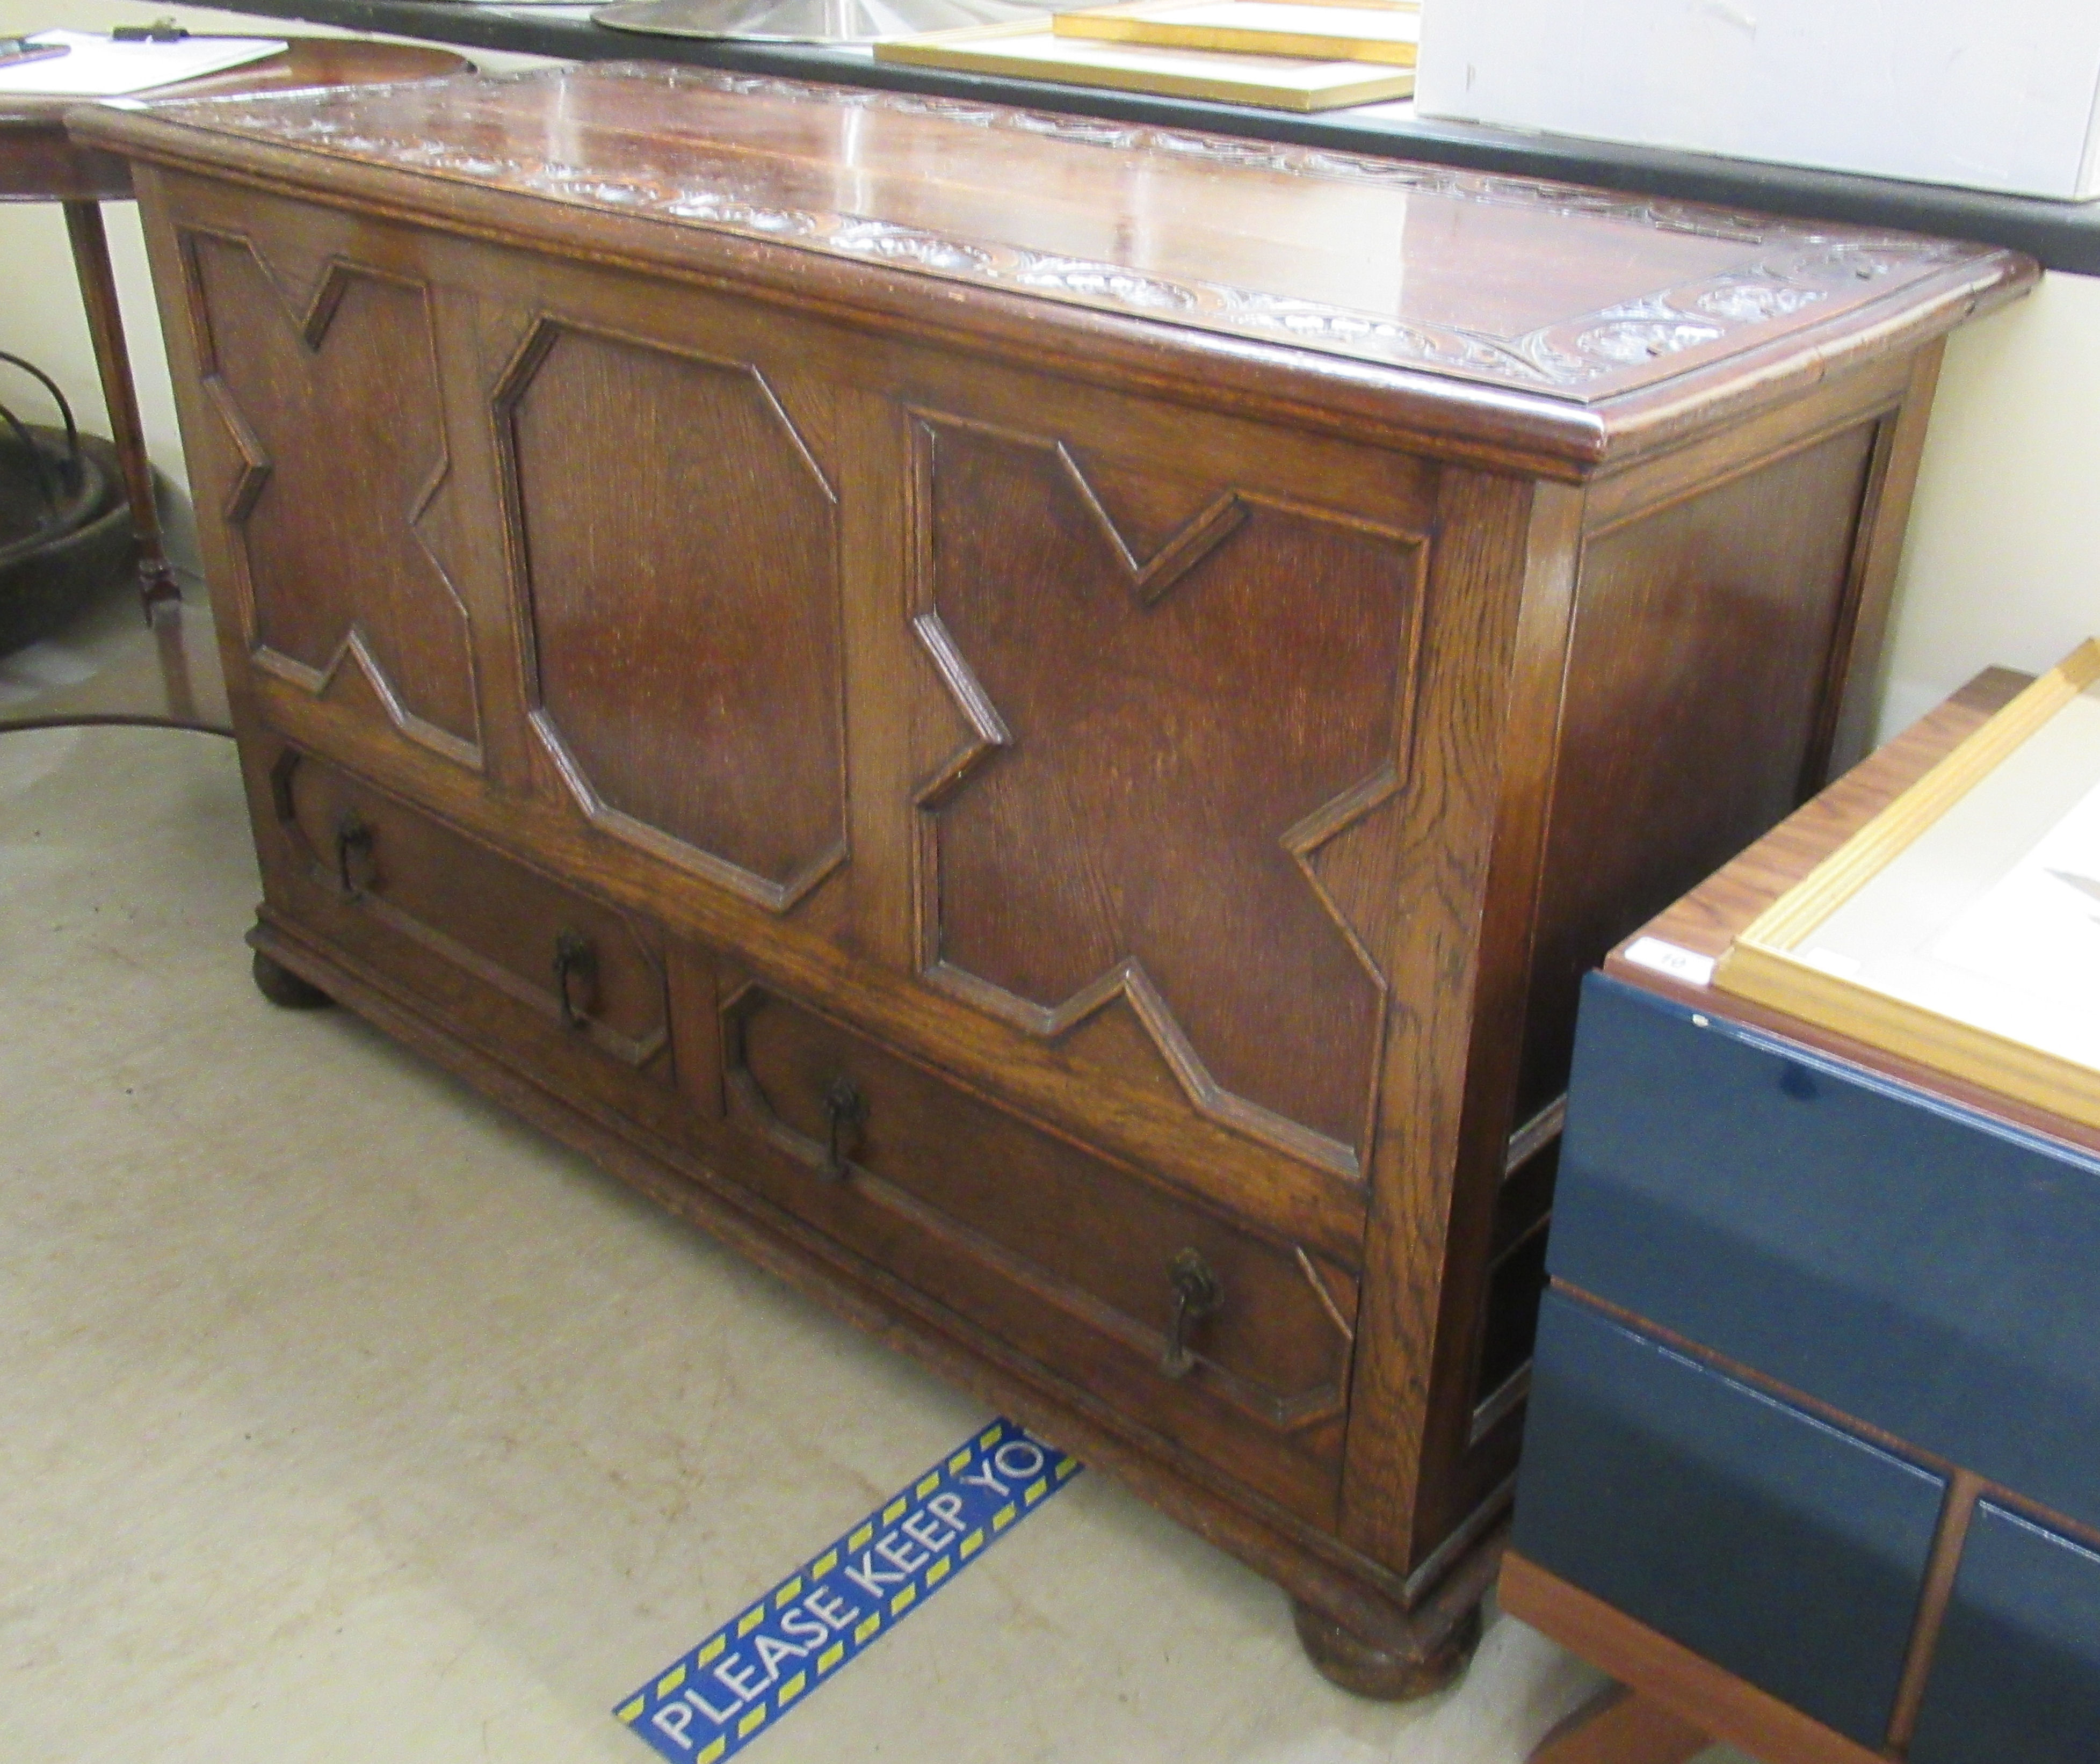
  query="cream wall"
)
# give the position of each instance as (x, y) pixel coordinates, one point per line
(2003, 563)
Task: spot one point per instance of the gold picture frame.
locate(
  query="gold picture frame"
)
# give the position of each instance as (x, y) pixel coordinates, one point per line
(1379, 31)
(1030, 50)
(1950, 930)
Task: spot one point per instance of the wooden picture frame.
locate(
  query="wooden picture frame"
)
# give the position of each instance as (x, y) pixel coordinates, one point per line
(1377, 31)
(1031, 49)
(1921, 936)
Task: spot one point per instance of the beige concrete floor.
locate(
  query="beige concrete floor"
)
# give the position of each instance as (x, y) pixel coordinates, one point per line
(347, 1419)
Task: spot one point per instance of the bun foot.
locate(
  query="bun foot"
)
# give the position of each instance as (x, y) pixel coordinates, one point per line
(285, 988)
(1373, 1669)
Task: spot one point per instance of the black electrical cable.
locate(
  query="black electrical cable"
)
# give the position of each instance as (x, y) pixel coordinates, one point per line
(74, 466)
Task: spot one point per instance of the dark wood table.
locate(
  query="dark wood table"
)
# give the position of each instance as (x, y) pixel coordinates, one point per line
(162, 675)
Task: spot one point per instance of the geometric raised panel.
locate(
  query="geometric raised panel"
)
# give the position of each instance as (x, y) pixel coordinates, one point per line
(329, 395)
(680, 566)
(1187, 712)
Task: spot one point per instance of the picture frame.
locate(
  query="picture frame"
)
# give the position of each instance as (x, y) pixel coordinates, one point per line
(1032, 50)
(1380, 31)
(1960, 928)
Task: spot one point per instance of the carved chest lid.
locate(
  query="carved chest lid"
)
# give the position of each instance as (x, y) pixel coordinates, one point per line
(1553, 290)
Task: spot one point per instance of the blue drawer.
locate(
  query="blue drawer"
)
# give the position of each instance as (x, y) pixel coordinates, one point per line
(2016, 1678)
(1777, 1547)
(1922, 1267)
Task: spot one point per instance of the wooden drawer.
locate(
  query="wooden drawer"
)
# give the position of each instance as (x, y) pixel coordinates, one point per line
(1053, 1248)
(552, 981)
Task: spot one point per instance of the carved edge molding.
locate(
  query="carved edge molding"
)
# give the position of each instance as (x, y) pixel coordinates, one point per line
(1586, 355)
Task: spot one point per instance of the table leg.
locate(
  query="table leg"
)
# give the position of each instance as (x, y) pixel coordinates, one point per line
(98, 289)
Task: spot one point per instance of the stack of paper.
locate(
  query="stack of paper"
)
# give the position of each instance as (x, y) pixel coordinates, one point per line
(94, 67)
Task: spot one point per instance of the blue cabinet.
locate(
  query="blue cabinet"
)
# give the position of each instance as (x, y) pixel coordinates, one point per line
(1789, 1295)
(1783, 1549)
(1929, 1269)
(2016, 1676)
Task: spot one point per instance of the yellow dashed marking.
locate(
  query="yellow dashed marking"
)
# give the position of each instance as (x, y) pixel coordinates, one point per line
(712, 1753)
(1036, 1490)
(823, 1564)
(751, 1723)
(860, 1537)
(989, 1434)
(751, 1619)
(889, 1513)
(868, 1626)
(633, 1709)
(793, 1688)
(903, 1602)
(972, 1544)
(960, 1459)
(937, 1573)
(710, 1651)
(830, 1656)
(927, 1485)
(1002, 1518)
(670, 1680)
(788, 1592)
(1066, 1466)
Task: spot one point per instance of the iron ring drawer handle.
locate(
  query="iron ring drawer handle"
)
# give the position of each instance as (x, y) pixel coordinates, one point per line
(574, 960)
(846, 1111)
(353, 837)
(1198, 1292)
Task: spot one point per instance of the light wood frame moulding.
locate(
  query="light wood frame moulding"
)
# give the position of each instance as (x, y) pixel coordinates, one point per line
(1157, 23)
(1762, 963)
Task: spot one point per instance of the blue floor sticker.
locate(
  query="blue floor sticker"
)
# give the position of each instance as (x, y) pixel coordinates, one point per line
(713, 1701)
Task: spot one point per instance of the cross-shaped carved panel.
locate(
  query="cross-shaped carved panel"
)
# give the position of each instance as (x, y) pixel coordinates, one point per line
(1164, 741)
(330, 397)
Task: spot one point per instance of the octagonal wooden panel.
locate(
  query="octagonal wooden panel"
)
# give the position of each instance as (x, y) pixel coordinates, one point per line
(704, 719)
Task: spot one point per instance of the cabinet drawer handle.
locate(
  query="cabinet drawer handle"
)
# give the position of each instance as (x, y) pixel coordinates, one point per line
(1197, 1294)
(353, 839)
(846, 1109)
(574, 960)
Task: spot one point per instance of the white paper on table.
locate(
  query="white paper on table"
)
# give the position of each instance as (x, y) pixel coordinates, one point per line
(97, 68)
(2036, 934)
(1991, 916)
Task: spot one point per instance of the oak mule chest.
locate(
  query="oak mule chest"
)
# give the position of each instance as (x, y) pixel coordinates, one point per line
(1032, 720)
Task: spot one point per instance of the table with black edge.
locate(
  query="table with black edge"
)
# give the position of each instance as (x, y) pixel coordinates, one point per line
(2061, 236)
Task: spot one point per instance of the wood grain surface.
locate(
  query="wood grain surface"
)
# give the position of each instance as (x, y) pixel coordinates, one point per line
(1096, 781)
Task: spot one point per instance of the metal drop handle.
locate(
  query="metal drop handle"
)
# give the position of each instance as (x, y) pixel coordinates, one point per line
(1198, 1292)
(846, 1110)
(353, 836)
(574, 959)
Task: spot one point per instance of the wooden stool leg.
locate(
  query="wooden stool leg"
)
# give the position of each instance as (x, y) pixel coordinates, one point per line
(98, 290)
(1622, 1727)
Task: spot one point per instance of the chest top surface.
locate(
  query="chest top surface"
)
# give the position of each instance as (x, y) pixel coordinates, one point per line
(1574, 293)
